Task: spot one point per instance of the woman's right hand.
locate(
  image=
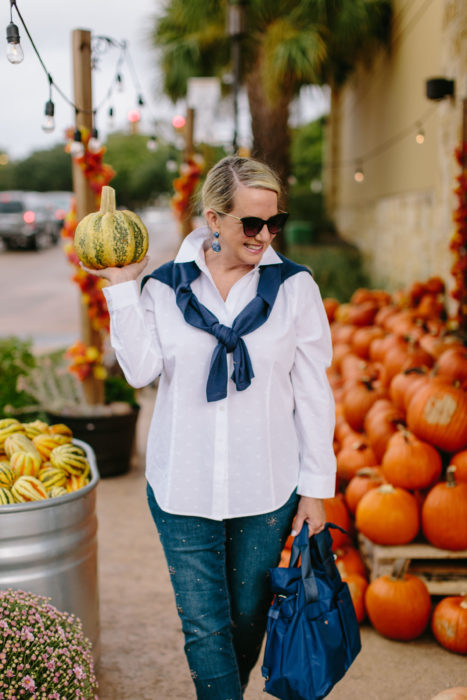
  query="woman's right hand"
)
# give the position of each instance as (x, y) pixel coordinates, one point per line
(115, 275)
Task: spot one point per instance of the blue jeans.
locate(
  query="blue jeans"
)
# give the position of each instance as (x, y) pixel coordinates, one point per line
(219, 573)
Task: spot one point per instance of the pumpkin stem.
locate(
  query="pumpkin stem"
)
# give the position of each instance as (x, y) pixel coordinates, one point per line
(400, 568)
(108, 202)
(451, 476)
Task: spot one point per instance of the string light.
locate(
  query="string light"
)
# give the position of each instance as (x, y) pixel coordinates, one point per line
(140, 101)
(420, 135)
(14, 51)
(111, 118)
(151, 144)
(120, 82)
(94, 145)
(48, 124)
(359, 175)
(77, 146)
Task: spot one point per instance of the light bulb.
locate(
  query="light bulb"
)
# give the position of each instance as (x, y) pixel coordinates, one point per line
(111, 120)
(359, 175)
(77, 146)
(14, 51)
(151, 144)
(94, 145)
(120, 82)
(420, 136)
(48, 123)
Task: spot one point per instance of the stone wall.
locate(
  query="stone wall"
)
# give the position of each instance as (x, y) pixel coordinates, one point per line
(401, 215)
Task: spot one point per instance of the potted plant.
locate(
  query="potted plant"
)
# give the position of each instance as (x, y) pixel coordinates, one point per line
(43, 651)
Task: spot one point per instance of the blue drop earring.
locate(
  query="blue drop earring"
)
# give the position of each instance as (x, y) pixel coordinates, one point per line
(215, 245)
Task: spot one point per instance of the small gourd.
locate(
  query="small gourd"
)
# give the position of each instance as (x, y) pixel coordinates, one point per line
(110, 238)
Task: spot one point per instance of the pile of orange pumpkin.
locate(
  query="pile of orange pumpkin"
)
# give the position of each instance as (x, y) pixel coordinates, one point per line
(399, 378)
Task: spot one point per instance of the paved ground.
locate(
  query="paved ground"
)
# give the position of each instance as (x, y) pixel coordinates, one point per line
(142, 645)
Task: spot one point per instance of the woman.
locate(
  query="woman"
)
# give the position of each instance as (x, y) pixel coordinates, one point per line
(240, 442)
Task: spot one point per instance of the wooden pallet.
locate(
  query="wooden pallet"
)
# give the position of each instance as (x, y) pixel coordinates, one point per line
(443, 571)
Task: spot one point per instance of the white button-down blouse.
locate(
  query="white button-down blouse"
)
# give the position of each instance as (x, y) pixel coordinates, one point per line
(245, 454)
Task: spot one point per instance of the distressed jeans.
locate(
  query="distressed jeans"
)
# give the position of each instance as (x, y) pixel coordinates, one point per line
(219, 573)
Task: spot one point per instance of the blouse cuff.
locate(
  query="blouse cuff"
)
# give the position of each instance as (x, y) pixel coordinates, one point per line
(316, 485)
(118, 296)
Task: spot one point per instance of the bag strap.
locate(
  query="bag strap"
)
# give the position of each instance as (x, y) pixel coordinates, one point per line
(316, 548)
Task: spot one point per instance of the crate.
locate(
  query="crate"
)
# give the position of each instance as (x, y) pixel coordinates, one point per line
(443, 571)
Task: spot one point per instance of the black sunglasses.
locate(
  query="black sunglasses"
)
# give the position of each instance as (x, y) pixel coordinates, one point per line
(252, 225)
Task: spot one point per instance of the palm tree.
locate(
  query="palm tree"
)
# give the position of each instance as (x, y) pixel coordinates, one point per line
(288, 44)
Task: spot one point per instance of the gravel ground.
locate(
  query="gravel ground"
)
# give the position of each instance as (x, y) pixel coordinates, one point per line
(142, 641)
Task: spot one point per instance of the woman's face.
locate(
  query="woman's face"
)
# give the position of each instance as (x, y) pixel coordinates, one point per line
(236, 248)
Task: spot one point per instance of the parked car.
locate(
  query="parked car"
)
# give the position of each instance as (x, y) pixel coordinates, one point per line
(60, 204)
(27, 220)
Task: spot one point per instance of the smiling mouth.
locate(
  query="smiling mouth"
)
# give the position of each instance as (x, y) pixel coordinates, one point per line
(254, 249)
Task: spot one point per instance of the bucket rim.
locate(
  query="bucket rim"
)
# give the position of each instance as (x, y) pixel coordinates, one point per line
(60, 500)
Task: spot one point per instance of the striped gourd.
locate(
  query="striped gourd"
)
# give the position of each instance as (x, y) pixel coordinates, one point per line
(45, 443)
(6, 496)
(70, 458)
(76, 481)
(28, 488)
(8, 426)
(20, 443)
(35, 427)
(57, 491)
(52, 477)
(25, 463)
(7, 475)
(60, 429)
(110, 238)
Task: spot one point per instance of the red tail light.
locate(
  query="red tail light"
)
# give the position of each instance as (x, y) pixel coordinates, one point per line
(29, 217)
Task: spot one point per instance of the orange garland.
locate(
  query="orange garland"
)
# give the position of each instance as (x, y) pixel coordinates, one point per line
(97, 174)
(185, 185)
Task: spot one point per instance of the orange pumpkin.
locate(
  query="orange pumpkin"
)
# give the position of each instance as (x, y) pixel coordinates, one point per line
(357, 586)
(362, 339)
(359, 396)
(402, 357)
(449, 623)
(353, 457)
(452, 365)
(403, 385)
(330, 306)
(364, 480)
(444, 513)
(388, 515)
(458, 693)
(437, 413)
(337, 513)
(459, 460)
(410, 463)
(399, 607)
(349, 561)
(381, 422)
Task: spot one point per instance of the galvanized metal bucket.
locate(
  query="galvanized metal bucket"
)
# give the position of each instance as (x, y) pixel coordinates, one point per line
(49, 548)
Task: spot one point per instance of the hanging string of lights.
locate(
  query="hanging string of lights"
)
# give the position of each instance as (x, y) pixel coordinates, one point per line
(357, 163)
(100, 44)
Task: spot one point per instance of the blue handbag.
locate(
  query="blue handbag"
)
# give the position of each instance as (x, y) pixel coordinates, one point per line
(312, 633)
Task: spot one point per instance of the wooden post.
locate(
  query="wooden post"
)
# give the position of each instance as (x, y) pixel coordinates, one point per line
(85, 198)
(187, 223)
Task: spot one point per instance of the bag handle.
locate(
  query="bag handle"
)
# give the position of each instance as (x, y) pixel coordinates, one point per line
(321, 543)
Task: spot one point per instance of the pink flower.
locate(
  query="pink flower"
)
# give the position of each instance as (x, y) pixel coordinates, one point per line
(78, 671)
(28, 683)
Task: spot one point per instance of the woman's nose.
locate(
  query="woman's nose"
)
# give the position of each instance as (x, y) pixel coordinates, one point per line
(263, 236)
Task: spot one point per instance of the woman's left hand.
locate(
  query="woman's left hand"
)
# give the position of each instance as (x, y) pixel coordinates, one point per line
(311, 511)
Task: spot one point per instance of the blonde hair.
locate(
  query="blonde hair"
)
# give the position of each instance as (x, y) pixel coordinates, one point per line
(224, 178)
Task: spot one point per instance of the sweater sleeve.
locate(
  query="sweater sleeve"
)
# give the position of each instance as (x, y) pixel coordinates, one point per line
(314, 403)
(133, 332)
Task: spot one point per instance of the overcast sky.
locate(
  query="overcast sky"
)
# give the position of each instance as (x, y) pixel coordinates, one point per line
(24, 87)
